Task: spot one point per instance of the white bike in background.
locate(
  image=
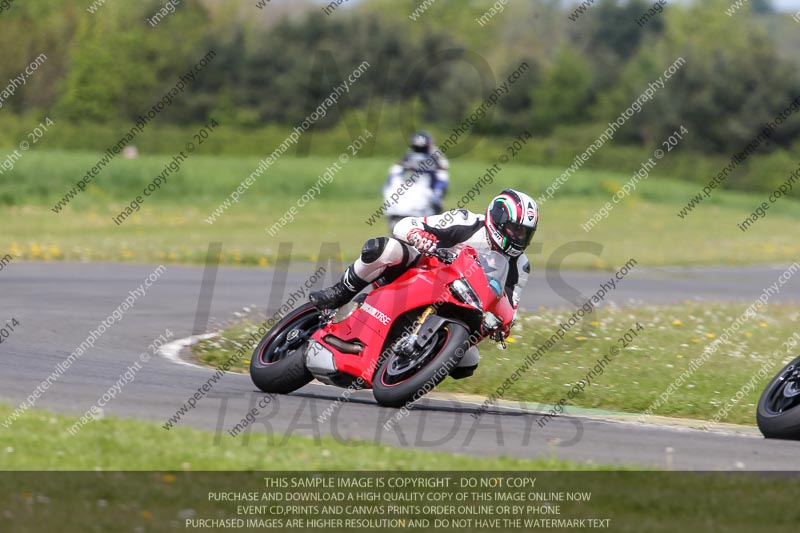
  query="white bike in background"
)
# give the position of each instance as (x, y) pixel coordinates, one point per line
(409, 191)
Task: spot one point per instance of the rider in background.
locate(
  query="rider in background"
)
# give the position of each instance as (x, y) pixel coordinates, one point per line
(417, 184)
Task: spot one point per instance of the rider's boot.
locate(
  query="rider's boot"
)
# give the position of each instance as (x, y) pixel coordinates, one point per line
(341, 293)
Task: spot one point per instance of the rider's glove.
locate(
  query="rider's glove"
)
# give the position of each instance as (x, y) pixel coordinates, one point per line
(501, 334)
(422, 240)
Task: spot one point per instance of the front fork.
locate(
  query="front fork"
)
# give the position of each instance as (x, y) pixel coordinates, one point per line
(422, 332)
(407, 345)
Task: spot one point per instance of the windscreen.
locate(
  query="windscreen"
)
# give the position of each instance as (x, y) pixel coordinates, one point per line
(495, 266)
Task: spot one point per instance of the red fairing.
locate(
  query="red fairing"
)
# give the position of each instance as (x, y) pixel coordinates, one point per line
(424, 285)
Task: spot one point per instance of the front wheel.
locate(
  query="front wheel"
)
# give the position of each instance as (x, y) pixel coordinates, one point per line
(778, 413)
(278, 364)
(404, 378)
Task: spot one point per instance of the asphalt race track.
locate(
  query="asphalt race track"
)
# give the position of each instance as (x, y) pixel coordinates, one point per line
(58, 304)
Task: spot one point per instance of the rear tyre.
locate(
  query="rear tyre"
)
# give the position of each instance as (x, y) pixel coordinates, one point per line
(403, 378)
(278, 364)
(778, 412)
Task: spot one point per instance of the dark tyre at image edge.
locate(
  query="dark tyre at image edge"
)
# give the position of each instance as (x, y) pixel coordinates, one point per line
(778, 412)
(278, 363)
(402, 379)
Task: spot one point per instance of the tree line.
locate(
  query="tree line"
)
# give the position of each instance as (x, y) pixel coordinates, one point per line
(107, 66)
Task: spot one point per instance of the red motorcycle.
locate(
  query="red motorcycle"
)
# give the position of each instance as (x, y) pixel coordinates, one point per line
(401, 339)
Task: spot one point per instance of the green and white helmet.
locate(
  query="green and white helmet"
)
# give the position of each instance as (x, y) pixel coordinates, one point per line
(511, 221)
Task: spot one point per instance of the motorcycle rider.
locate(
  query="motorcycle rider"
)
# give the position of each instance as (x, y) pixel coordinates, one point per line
(417, 184)
(507, 227)
(422, 143)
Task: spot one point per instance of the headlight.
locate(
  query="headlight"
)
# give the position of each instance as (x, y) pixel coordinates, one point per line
(464, 292)
(491, 321)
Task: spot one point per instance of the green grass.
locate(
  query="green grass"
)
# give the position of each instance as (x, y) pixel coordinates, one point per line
(39, 440)
(673, 336)
(117, 471)
(171, 225)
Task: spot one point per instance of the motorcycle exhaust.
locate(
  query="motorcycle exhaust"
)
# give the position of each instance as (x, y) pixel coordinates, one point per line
(344, 346)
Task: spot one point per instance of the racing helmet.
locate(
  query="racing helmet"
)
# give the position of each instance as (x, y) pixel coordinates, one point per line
(421, 142)
(511, 221)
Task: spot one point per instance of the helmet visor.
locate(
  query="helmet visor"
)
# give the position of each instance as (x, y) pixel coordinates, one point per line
(518, 234)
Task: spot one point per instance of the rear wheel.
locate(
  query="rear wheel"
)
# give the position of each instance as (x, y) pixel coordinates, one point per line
(778, 413)
(278, 364)
(406, 377)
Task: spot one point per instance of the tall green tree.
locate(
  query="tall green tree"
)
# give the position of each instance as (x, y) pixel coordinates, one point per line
(608, 36)
(564, 92)
(28, 29)
(732, 82)
(119, 64)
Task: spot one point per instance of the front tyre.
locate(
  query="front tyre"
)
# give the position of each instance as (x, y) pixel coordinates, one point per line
(278, 364)
(404, 378)
(778, 412)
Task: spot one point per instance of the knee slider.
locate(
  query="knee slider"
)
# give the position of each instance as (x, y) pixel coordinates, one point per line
(373, 249)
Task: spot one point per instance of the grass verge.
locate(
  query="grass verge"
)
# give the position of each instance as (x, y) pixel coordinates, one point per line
(39, 441)
(171, 225)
